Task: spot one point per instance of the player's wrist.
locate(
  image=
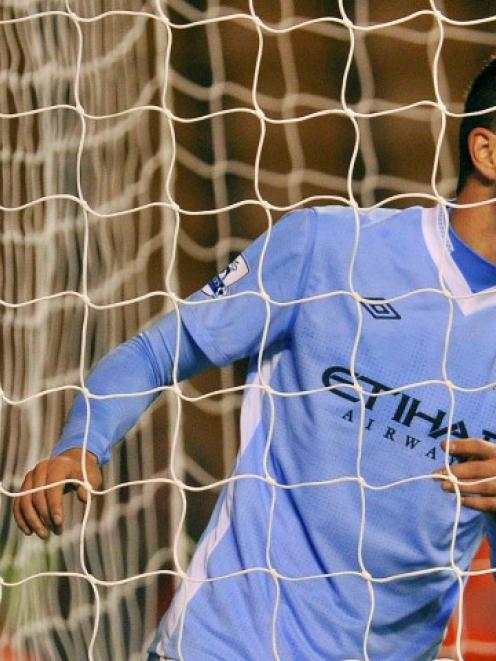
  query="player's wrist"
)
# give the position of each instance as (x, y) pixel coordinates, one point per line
(76, 453)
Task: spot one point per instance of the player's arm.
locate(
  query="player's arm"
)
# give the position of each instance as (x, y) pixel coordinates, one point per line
(141, 364)
(221, 323)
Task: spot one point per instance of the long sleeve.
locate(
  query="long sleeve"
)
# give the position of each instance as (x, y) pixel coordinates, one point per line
(141, 364)
(221, 323)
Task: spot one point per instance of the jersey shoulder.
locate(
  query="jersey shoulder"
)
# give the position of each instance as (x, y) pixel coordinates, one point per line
(343, 235)
(337, 222)
(336, 227)
(344, 219)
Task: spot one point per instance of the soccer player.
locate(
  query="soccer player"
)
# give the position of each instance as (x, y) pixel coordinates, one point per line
(332, 540)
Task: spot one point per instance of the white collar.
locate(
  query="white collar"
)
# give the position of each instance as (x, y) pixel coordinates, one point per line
(435, 231)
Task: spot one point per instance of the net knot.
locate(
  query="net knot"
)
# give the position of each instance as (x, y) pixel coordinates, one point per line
(265, 204)
(89, 487)
(257, 21)
(84, 205)
(349, 112)
(162, 15)
(442, 106)
(270, 480)
(366, 575)
(437, 13)
(264, 295)
(85, 391)
(260, 114)
(176, 389)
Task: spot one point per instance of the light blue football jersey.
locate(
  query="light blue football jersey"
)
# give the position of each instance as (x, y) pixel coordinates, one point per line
(323, 547)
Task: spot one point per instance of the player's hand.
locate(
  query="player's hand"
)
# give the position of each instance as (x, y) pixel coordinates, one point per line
(43, 511)
(478, 462)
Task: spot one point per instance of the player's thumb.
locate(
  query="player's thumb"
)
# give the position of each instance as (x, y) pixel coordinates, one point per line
(82, 494)
(95, 482)
(82, 491)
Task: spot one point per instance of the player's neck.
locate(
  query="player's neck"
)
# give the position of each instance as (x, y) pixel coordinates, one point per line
(476, 226)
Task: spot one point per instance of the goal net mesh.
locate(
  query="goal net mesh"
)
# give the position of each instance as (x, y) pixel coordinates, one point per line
(143, 145)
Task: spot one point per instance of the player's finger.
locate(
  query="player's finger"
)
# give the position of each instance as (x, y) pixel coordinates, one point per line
(28, 511)
(21, 522)
(40, 497)
(481, 504)
(471, 470)
(483, 488)
(470, 447)
(57, 470)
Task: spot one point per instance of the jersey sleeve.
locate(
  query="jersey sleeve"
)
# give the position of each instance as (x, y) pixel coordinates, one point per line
(227, 317)
(136, 367)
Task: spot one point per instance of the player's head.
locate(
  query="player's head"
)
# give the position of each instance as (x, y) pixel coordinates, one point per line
(482, 95)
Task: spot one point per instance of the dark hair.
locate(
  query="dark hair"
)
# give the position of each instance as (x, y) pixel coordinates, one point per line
(482, 95)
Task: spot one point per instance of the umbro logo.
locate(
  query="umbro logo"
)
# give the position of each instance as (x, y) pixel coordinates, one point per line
(381, 310)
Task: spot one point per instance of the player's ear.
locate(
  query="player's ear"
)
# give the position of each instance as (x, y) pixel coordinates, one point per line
(482, 147)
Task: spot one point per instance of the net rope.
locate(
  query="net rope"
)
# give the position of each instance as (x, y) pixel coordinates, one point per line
(64, 207)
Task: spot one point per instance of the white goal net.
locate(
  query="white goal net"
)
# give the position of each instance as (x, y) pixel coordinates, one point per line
(144, 143)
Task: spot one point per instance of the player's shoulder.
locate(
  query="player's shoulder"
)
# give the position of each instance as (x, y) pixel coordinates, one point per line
(330, 238)
(347, 217)
(324, 219)
(336, 223)
(337, 226)
(384, 219)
